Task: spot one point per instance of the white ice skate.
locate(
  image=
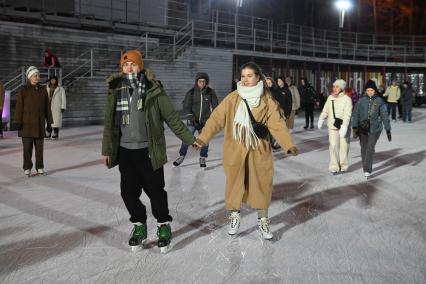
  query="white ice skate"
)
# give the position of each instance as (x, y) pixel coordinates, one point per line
(264, 229)
(234, 223)
(367, 175)
(27, 173)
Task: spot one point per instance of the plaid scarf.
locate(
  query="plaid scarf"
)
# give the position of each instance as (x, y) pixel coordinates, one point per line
(130, 81)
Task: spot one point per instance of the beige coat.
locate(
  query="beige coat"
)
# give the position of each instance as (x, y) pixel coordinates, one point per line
(393, 93)
(248, 171)
(58, 101)
(342, 108)
(295, 96)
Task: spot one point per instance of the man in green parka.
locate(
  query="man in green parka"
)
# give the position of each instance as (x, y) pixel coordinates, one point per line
(133, 139)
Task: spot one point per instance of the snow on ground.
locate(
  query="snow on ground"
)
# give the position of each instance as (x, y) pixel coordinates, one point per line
(71, 226)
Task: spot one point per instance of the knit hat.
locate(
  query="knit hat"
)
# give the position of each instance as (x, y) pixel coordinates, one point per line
(134, 56)
(202, 75)
(371, 85)
(340, 83)
(31, 71)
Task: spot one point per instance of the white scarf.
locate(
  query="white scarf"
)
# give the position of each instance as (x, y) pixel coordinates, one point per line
(243, 130)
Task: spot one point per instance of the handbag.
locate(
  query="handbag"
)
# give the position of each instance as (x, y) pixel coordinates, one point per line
(364, 126)
(337, 121)
(259, 128)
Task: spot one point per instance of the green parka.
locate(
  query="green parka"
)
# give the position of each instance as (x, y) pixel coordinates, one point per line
(157, 109)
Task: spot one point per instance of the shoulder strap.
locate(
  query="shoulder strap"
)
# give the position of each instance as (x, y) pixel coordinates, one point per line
(249, 111)
(332, 104)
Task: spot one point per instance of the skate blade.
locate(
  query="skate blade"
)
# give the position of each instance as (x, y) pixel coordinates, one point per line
(136, 248)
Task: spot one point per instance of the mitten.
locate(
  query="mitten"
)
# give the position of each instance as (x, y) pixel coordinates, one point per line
(293, 151)
(320, 123)
(342, 131)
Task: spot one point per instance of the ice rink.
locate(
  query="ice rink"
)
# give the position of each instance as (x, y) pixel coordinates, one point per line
(71, 225)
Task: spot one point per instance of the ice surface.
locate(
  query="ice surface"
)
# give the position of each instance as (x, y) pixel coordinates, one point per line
(71, 226)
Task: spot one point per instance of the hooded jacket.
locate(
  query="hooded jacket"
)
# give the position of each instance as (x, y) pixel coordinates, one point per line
(157, 109)
(198, 104)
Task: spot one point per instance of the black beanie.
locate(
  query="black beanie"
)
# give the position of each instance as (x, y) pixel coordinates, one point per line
(371, 85)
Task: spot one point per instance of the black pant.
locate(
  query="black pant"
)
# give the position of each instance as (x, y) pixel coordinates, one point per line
(368, 144)
(309, 114)
(28, 144)
(1, 124)
(137, 174)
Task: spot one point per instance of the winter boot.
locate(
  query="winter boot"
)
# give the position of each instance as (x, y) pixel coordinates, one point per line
(164, 233)
(202, 162)
(264, 229)
(138, 236)
(234, 222)
(178, 161)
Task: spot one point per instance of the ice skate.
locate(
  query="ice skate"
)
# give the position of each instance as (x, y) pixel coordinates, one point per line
(138, 236)
(40, 172)
(203, 162)
(367, 175)
(264, 229)
(164, 233)
(27, 173)
(178, 161)
(234, 223)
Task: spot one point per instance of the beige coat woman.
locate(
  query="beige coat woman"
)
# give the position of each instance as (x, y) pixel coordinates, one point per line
(58, 104)
(248, 171)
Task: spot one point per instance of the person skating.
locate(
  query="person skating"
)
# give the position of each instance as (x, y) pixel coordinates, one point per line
(393, 94)
(133, 139)
(58, 103)
(309, 97)
(368, 118)
(337, 110)
(247, 157)
(31, 114)
(197, 106)
(295, 101)
(407, 100)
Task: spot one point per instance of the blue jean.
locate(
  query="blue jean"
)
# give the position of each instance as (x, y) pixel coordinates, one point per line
(184, 147)
(406, 115)
(392, 110)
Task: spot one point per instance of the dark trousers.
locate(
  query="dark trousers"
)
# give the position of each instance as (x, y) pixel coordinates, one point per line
(392, 110)
(309, 115)
(55, 131)
(28, 144)
(137, 174)
(1, 124)
(368, 144)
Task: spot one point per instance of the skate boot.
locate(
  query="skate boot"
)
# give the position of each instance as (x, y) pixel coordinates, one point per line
(164, 233)
(234, 223)
(202, 162)
(138, 236)
(178, 161)
(264, 229)
(367, 175)
(27, 172)
(40, 172)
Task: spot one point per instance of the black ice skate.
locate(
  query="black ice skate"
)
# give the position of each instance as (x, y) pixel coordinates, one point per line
(178, 161)
(138, 236)
(203, 162)
(164, 233)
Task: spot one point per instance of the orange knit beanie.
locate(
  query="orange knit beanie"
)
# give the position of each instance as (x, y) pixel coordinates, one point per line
(133, 56)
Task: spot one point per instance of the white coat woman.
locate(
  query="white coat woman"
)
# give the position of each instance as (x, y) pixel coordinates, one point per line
(58, 104)
(338, 136)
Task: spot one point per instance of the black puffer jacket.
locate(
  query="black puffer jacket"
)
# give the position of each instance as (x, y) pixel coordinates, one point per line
(198, 104)
(284, 98)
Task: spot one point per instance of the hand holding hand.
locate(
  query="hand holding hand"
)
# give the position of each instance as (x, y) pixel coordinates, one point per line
(197, 143)
(293, 151)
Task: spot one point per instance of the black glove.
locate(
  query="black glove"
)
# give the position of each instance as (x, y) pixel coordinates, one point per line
(355, 133)
(388, 133)
(197, 124)
(19, 126)
(62, 110)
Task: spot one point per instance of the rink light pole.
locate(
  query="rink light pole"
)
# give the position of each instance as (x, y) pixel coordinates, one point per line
(342, 6)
